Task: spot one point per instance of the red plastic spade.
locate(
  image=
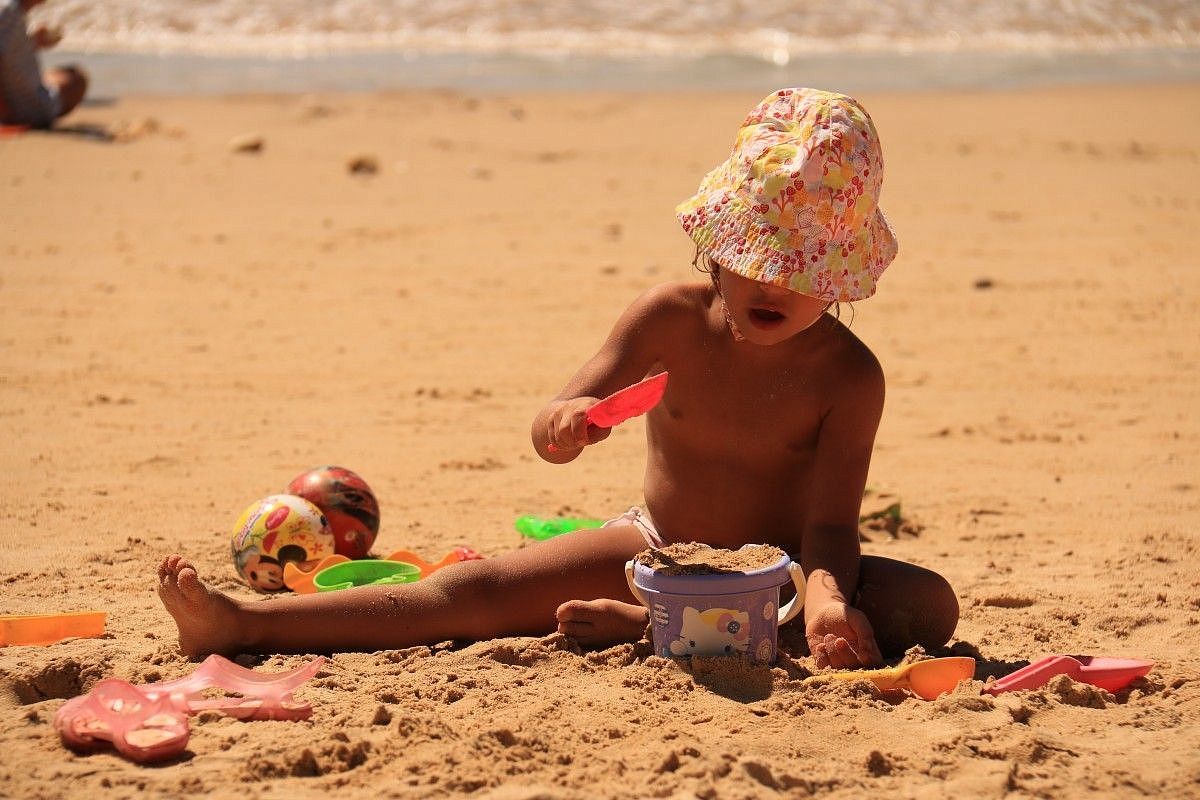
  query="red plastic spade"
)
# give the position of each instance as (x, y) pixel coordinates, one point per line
(1110, 674)
(629, 402)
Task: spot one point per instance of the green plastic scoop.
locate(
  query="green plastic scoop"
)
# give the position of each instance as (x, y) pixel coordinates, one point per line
(365, 573)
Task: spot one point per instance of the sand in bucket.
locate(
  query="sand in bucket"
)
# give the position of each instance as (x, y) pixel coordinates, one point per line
(709, 601)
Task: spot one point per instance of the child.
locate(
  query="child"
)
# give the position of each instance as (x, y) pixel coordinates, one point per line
(764, 434)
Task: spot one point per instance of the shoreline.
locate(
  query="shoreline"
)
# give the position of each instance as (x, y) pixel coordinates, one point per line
(115, 74)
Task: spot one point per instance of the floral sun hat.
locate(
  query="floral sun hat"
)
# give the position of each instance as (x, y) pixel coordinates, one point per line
(797, 202)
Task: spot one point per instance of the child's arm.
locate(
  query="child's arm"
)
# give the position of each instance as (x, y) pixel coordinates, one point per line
(627, 355)
(838, 634)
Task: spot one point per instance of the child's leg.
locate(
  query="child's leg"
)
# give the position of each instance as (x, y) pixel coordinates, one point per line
(516, 593)
(906, 604)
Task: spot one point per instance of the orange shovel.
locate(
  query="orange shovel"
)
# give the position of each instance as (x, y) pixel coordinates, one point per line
(927, 679)
(45, 629)
(300, 580)
(453, 557)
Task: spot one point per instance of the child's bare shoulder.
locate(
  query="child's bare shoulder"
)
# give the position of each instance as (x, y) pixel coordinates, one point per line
(853, 351)
(672, 304)
(854, 366)
(678, 295)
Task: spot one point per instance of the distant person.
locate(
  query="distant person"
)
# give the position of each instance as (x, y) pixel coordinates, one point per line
(27, 95)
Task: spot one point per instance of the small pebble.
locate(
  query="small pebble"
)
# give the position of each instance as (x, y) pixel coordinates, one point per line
(362, 165)
(247, 143)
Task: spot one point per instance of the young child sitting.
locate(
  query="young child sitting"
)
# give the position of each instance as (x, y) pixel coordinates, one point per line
(764, 434)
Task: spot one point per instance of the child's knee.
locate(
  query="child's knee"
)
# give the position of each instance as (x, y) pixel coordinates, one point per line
(920, 610)
(471, 590)
(72, 85)
(941, 611)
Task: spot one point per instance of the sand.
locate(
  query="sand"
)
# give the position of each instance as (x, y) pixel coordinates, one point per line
(694, 558)
(396, 283)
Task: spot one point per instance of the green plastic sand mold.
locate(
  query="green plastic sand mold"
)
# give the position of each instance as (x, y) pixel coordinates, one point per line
(365, 573)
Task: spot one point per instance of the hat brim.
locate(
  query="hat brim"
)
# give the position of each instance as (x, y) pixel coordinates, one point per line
(739, 240)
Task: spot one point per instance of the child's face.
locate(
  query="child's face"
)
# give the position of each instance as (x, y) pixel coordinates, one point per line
(767, 314)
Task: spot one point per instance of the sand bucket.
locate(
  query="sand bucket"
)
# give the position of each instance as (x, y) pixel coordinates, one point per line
(717, 614)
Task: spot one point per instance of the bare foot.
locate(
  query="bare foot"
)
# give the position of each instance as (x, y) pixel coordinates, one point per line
(599, 623)
(208, 621)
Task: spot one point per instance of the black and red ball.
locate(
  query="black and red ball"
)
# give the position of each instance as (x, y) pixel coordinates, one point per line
(348, 503)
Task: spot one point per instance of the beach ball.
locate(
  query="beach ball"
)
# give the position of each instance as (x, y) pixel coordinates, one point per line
(275, 530)
(347, 501)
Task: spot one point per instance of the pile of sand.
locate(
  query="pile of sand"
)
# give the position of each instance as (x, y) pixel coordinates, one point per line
(695, 558)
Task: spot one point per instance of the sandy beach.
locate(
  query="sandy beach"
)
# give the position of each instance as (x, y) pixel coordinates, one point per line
(186, 327)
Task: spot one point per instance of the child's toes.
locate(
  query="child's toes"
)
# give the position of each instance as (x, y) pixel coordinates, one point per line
(575, 629)
(187, 579)
(573, 611)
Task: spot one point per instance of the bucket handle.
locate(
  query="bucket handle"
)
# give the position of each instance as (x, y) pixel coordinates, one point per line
(786, 613)
(796, 604)
(633, 587)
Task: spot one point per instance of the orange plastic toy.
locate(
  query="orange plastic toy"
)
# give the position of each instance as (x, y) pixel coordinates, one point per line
(927, 679)
(41, 629)
(453, 557)
(300, 580)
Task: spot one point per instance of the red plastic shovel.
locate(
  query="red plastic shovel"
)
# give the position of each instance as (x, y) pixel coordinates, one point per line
(627, 403)
(1110, 674)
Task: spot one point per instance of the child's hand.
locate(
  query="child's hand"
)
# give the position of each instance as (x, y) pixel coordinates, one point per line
(568, 428)
(839, 635)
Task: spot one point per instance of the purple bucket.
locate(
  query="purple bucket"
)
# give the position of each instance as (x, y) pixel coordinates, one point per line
(717, 614)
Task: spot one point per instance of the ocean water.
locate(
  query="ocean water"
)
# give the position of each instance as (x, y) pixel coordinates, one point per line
(301, 45)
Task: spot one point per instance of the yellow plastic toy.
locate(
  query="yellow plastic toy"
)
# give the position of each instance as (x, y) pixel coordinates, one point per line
(927, 679)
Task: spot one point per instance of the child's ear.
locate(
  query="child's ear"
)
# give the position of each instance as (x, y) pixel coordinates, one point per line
(714, 273)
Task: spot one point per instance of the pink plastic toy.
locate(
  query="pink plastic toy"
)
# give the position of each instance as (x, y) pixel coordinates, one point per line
(1110, 674)
(264, 695)
(149, 722)
(629, 402)
(141, 729)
